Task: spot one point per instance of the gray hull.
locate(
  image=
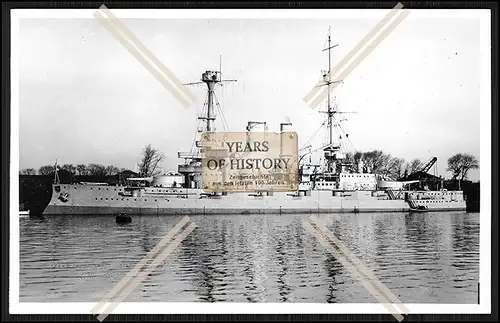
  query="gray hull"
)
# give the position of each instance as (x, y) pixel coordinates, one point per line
(110, 200)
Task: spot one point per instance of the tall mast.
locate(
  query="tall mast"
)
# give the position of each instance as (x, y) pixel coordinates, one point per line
(192, 167)
(211, 79)
(330, 111)
(56, 175)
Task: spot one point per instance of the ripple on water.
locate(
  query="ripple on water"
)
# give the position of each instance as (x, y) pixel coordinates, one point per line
(423, 258)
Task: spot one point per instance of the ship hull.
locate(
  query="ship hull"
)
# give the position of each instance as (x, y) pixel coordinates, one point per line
(84, 210)
(109, 200)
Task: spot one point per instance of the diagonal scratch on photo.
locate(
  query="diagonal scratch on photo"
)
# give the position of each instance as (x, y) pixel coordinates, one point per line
(330, 159)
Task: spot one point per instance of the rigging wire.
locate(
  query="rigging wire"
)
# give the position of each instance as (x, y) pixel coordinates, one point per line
(225, 125)
(339, 133)
(193, 145)
(314, 134)
(326, 134)
(347, 137)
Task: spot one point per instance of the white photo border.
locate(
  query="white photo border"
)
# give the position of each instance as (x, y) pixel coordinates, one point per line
(16, 307)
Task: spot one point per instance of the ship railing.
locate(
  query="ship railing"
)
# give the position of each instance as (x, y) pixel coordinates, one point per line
(412, 204)
(394, 194)
(189, 155)
(391, 194)
(410, 201)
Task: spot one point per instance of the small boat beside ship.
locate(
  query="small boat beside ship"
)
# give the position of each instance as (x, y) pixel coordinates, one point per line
(419, 209)
(24, 214)
(123, 218)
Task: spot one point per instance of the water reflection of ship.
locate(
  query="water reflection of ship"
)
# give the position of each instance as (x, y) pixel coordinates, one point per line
(332, 185)
(205, 257)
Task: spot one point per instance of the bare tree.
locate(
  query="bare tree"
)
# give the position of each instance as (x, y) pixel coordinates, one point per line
(357, 156)
(376, 161)
(150, 159)
(349, 158)
(69, 168)
(82, 169)
(460, 164)
(96, 170)
(396, 167)
(349, 161)
(46, 170)
(112, 170)
(414, 166)
(28, 171)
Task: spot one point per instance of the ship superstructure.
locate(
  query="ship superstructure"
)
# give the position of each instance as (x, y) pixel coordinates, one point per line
(333, 185)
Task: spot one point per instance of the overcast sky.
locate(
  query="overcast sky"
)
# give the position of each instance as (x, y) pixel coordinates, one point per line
(85, 99)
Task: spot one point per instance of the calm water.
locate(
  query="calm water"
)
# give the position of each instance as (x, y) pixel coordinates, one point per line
(421, 258)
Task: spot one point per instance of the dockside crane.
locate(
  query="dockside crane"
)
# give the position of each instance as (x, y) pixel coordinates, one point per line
(427, 166)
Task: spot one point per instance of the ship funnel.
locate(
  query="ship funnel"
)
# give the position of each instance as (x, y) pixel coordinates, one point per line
(256, 126)
(286, 127)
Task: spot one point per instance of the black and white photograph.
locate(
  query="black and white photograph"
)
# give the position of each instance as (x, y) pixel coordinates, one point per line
(250, 161)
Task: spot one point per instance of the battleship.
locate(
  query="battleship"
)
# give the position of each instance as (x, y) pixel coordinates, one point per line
(334, 185)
